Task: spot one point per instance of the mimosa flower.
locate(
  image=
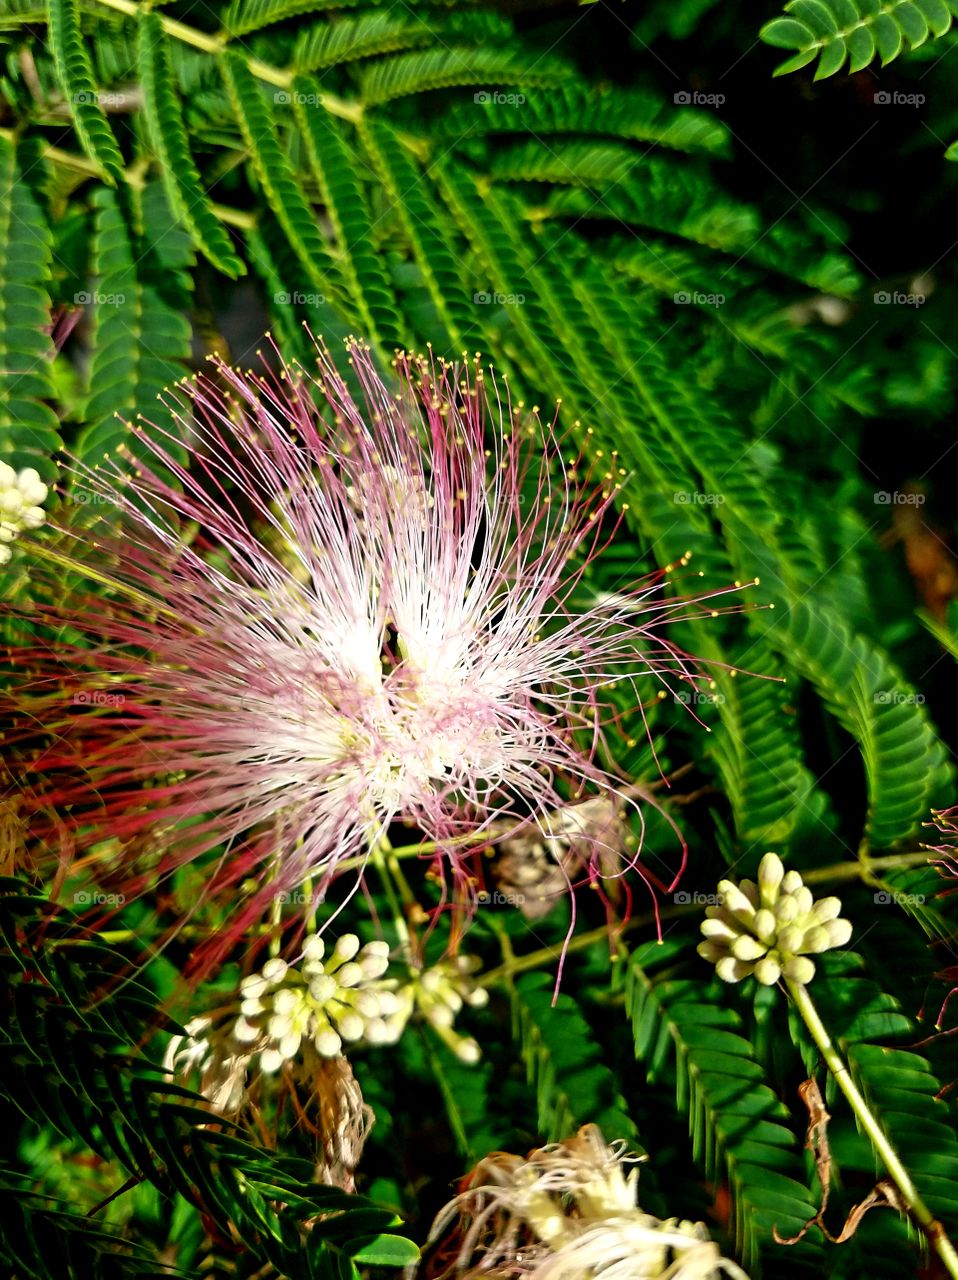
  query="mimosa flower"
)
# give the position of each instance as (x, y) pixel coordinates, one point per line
(338, 609)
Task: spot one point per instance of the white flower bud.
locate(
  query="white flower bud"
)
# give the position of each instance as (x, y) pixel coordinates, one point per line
(467, 1050)
(764, 924)
(731, 970)
(350, 974)
(826, 909)
(274, 970)
(323, 988)
(746, 948)
(245, 1032)
(270, 1060)
(771, 872)
(350, 1026)
(799, 969)
(327, 1043)
(289, 1044)
(346, 948)
(768, 971)
(314, 948)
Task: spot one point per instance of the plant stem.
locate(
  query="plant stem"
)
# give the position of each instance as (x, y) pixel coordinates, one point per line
(215, 44)
(932, 1228)
(383, 859)
(133, 178)
(864, 867)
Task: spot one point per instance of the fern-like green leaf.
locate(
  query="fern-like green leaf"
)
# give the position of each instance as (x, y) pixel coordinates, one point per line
(75, 73)
(28, 426)
(853, 31)
(141, 336)
(431, 238)
(898, 1083)
(244, 16)
(378, 31)
(575, 107)
(181, 177)
(737, 1123)
(42, 1237)
(905, 762)
(564, 1062)
(453, 66)
(336, 164)
(69, 1055)
(277, 178)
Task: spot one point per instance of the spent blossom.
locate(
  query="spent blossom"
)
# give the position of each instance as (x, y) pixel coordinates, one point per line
(339, 609)
(568, 1212)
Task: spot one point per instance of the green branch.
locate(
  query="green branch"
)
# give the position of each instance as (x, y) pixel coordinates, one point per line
(933, 1229)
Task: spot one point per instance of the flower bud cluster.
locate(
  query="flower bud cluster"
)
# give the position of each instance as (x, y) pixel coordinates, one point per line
(328, 1000)
(20, 497)
(439, 994)
(345, 997)
(769, 929)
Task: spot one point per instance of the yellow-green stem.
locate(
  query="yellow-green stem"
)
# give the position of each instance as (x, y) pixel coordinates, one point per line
(134, 177)
(933, 1229)
(214, 44)
(383, 859)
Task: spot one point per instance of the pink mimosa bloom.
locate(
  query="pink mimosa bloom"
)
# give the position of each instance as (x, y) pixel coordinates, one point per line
(374, 619)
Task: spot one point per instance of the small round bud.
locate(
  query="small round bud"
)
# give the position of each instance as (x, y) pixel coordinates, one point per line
(767, 971)
(799, 969)
(731, 970)
(771, 871)
(746, 948)
(274, 970)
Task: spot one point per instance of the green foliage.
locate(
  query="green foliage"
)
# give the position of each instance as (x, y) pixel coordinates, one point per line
(854, 31)
(182, 180)
(699, 282)
(141, 333)
(70, 1032)
(899, 1083)
(736, 1120)
(75, 72)
(28, 425)
(573, 1084)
